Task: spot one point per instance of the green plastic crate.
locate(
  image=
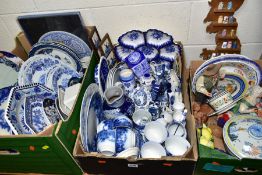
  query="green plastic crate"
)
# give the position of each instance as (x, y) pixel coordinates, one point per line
(51, 152)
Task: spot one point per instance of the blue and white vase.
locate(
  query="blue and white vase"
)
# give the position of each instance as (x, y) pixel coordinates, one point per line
(138, 63)
(127, 79)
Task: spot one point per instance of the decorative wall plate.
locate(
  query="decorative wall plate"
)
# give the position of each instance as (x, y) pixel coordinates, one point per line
(169, 53)
(8, 73)
(15, 110)
(132, 39)
(243, 136)
(158, 38)
(90, 115)
(62, 52)
(72, 41)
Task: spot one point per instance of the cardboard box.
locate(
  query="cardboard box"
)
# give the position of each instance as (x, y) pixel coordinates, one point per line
(95, 163)
(49, 152)
(211, 161)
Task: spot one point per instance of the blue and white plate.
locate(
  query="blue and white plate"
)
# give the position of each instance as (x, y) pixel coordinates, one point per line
(122, 53)
(103, 71)
(60, 77)
(4, 126)
(235, 84)
(169, 53)
(149, 52)
(15, 111)
(251, 69)
(62, 52)
(243, 136)
(132, 39)
(34, 114)
(15, 59)
(158, 38)
(72, 41)
(8, 73)
(90, 115)
(35, 69)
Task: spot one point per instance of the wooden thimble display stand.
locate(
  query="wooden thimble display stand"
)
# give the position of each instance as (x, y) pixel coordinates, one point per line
(224, 24)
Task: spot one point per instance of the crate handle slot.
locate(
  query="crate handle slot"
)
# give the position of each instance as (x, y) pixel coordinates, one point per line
(246, 170)
(9, 152)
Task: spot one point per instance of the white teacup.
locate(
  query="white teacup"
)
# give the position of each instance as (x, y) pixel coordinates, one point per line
(152, 150)
(141, 117)
(155, 131)
(177, 130)
(176, 146)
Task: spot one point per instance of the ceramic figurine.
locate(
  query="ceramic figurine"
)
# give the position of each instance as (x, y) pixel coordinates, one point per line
(229, 44)
(232, 33)
(147, 80)
(249, 104)
(225, 20)
(220, 19)
(220, 6)
(224, 32)
(206, 82)
(229, 5)
(234, 46)
(231, 19)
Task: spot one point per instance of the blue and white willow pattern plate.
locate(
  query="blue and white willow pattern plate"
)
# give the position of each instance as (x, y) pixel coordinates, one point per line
(8, 73)
(149, 52)
(158, 38)
(72, 41)
(59, 51)
(4, 126)
(90, 115)
(132, 39)
(122, 52)
(15, 110)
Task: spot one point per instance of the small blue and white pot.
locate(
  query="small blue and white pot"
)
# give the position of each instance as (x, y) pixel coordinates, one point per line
(123, 121)
(127, 78)
(106, 142)
(138, 63)
(125, 138)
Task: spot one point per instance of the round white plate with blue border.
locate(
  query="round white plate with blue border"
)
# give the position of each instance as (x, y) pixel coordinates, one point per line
(8, 73)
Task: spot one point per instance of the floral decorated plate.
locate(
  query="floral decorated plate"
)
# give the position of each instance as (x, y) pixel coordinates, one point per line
(62, 52)
(4, 126)
(9, 56)
(158, 38)
(72, 41)
(132, 39)
(15, 111)
(149, 52)
(122, 53)
(243, 136)
(90, 115)
(169, 53)
(8, 73)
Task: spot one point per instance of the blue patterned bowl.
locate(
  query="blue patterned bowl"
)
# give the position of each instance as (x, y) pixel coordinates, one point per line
(132, 39)
(158, 38)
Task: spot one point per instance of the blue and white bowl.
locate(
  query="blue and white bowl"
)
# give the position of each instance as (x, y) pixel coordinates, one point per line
(141, 117)
(132, 39)
(125, 138)
(158, 38)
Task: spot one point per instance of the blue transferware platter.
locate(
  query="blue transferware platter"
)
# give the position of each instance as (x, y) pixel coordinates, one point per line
(8, 73)
(15, 111)
(35, 69)
(149, 52)
(243, 136)
(34, 114)
(91, 115)
(9, 56)
(122, 53)
(60, 77)
(4, 126)
(158, 38)
(70, 40)
(132, 39)
(103, 71)
(251, 69)
(59, 51)
(235, 84)
(169, 53)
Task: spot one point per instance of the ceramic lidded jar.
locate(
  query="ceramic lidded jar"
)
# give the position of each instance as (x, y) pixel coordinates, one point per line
(128, 79)
(138, 63)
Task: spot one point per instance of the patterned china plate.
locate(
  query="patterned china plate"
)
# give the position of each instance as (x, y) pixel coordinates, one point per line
(15, 111)
(4, 126)
(62, 52)
(90, 115)
(8, 73)
(169, 53)
(103, 70)
(132, 39)
(15, 59)
(122, 53)
(149, 52)
(71, 41)
(158, 38)
(243, 136)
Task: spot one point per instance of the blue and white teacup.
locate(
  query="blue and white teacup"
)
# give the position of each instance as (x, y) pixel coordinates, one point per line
(125, 138)
(138, 63)
(122, 121)
(141, 117)
(127, 78)
(106, 142)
